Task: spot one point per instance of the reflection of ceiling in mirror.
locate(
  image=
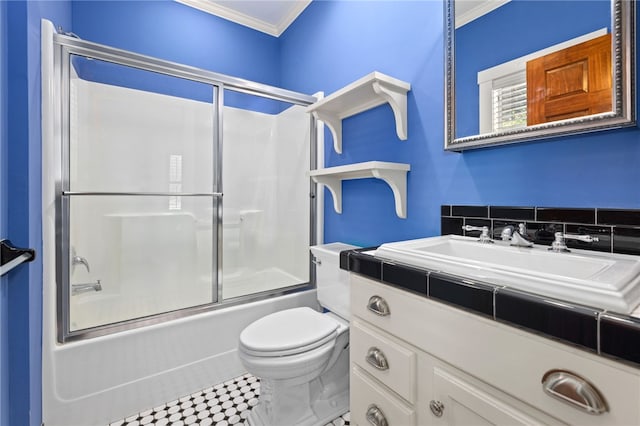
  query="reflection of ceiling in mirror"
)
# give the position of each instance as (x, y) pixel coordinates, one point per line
(468, 10)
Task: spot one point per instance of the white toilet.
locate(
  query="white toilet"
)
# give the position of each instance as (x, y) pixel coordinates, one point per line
(301, 355)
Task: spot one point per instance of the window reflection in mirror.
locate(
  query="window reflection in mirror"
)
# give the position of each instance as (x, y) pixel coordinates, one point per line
(493, 51)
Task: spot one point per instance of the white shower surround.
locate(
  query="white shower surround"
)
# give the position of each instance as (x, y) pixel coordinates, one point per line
(266, 199)
(102, 379)
(150, 259)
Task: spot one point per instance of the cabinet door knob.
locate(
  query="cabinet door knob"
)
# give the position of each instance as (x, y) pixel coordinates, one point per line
(375, 357)
(574, 390)
(437, 408)
(375, 416)
(378, 306)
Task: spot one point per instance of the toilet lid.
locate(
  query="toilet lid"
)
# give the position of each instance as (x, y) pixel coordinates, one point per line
(287, 330)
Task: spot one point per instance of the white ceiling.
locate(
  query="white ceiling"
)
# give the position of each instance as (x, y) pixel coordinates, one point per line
(274, 16)
(468, 10)
(269, 16)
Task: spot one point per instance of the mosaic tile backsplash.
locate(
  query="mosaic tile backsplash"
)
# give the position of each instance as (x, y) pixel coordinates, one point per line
(618, 230)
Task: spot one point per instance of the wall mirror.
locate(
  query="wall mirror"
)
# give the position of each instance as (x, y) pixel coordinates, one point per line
(519, 70)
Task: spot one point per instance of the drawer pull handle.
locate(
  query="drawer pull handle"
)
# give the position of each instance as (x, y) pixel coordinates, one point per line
(375, 416)
(378, 306)
(437, 408)
(376, 358)
(574, 390)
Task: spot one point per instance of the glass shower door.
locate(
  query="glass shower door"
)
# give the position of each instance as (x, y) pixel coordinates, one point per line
(266, 209)
(139, 197)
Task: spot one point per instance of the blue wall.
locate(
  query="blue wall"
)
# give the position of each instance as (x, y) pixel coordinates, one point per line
(172, 31)
(334, 43)
(24, 204)
(169, 30)
(476, 42)
(331, 44)
(4, 326)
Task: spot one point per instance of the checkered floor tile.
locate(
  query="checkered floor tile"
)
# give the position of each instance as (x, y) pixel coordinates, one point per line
(225, 404)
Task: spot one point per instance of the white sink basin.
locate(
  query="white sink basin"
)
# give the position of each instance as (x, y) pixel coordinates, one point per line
(601, 280)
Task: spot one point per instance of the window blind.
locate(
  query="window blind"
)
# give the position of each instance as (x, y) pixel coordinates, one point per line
(509, 102)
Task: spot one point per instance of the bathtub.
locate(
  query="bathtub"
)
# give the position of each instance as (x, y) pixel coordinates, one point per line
(103, 379)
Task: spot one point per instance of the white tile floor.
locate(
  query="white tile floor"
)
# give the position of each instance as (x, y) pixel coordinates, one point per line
(224, 404)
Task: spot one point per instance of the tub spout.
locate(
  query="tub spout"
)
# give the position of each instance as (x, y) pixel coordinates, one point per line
(85, 287)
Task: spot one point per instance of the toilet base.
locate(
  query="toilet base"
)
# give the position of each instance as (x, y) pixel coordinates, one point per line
(313, 403)
(297, 412)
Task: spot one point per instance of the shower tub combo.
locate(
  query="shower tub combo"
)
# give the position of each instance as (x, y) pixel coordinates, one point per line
(150, 273)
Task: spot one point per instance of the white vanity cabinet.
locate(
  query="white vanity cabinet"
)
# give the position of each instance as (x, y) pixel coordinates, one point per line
(415, 361)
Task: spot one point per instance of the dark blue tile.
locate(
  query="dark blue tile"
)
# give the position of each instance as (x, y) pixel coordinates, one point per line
(405, 277)
(570, 323)
(626, 240)
(463, 293)
(603, 233)
(619, 337)
(470, 211)
(445, 210)
(365, 264)
(619, 217)
(451, 225)
(344, 259)
(553, 214)
(515, 213)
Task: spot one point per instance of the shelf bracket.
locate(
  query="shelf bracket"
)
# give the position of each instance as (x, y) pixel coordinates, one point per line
(335, 125)
(398, 102)
(370, 91)
(397, 181)
(334, 185)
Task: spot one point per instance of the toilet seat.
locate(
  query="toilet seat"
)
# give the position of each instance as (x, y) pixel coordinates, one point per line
(288, 332)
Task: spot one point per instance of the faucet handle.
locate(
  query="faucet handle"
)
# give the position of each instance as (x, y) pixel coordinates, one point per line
(559, 244)
(79, 260)
(484, 236)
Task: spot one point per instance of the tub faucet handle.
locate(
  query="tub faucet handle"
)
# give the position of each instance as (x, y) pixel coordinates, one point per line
(78, 260)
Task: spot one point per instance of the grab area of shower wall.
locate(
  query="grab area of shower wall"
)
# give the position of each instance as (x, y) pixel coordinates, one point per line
(133, 249)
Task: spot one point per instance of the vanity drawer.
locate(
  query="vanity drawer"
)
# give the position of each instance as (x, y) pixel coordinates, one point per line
(403, 311)
(385, 358)
(367, 396)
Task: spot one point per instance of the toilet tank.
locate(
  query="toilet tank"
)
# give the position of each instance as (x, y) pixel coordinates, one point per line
(331, 281)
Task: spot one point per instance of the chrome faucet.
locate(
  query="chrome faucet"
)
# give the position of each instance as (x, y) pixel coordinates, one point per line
(85, 287)
(78, 260)
(517, 237)
(484, 236)
(559, 245)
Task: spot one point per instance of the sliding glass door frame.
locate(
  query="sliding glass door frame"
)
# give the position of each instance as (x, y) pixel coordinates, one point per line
(66, 46)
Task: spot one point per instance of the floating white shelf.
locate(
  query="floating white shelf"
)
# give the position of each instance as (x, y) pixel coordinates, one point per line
(370, 91)
(394, 174)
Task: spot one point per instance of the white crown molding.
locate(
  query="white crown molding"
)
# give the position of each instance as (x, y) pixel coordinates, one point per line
(299, 7)
(477, 11)
(249, 21)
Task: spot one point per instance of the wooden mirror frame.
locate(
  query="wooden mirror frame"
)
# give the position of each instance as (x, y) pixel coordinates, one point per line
(624, 94)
